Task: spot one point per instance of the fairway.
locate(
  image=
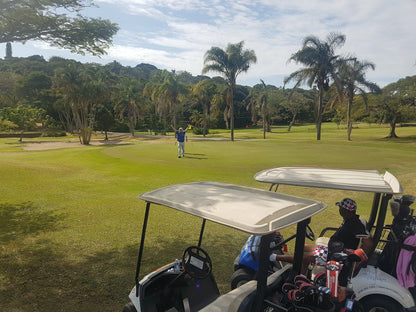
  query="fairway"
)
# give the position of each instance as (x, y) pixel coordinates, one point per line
(70, 219)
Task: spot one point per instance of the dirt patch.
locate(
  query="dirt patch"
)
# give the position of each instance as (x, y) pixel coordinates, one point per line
(47, 145)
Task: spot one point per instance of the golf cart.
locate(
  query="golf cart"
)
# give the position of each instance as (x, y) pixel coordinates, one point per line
(188, 284)
(375, 289)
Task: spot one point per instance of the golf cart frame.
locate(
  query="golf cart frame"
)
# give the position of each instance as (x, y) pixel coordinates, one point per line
(250, 210)
(371, 280)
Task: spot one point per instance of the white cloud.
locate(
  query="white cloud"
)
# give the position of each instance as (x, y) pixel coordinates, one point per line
(176, 34)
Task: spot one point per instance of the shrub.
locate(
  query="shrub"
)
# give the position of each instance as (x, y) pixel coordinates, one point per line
(199, 131)
(53, 133)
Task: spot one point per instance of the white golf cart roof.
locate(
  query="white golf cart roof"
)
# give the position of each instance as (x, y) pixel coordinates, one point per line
(352, 180)
(247, 209)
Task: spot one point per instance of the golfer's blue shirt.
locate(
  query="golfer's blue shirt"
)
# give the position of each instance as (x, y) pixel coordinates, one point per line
(181, 136)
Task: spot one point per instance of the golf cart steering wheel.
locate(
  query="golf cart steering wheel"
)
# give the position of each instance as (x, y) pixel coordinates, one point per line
(309, 233)
(196, 262)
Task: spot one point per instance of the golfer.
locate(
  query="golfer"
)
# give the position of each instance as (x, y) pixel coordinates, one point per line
(181, 137)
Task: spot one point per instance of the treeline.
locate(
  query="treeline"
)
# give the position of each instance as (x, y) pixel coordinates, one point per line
(66, 95)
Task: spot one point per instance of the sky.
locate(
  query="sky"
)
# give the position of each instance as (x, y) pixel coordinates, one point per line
(175, 34)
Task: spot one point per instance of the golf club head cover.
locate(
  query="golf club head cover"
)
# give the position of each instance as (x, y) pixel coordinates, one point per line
(307, 288)
(287, 286)
(333, 269)
(301, 278)
(320, 279)
(295, 295)
(361, 253)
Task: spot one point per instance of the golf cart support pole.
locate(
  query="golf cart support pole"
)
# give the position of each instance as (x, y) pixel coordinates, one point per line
(381, 218)
(139, 259)
(202, 232)
(262, 272)
(374, 210)
(273, 184)
(300, 245)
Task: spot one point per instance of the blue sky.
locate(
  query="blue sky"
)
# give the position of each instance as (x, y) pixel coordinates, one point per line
(175, 34)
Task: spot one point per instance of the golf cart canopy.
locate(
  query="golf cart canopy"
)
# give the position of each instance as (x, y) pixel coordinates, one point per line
(247, 209)
(352, 180)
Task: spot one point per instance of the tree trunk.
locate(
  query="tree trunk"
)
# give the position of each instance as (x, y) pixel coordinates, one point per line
(232, 112)
(227, 126)
(132, 125)
(291, 123)
(393, 129)
(205, 120)
(85, 136)
(264, 125)
(319, 112)
(349, 123)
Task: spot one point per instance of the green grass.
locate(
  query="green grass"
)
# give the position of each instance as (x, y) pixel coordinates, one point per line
(70, 218)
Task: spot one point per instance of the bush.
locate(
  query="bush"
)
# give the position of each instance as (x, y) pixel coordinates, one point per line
(54, 133)
(199, 131)
(6, 125)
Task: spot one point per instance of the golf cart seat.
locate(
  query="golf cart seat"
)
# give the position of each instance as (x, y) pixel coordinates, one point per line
(241, 298)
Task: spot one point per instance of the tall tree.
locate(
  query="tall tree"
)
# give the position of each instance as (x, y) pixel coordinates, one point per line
(231, 62)
(263, 97)
(219, 105)
(104, 119)
(25, 20)
(396, 104)
(320, 63)
(8, 94)
(352, 78)
(295, 104)
(204, 92)
(129, 99)
(82, 90)
(257, 100)
(24, 117)
(166, 96)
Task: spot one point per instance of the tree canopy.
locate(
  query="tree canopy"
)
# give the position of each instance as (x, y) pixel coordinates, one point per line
(230, 62)
(57, 22)
(320, 65)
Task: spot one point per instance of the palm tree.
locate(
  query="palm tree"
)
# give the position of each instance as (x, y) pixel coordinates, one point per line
(169, 91)
(82, 90)
(231, 62)
(219, 103)
(129, 100)
(204, 92)
(166, 96)
(257, 101)
(352, 78)
(320, 66)
(263, 106)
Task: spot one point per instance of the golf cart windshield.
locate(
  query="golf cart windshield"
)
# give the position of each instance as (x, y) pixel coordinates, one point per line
(247, 209)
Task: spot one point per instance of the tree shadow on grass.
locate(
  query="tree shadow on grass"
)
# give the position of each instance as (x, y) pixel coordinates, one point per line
(19, 220)
(400, 139)
(42, 277)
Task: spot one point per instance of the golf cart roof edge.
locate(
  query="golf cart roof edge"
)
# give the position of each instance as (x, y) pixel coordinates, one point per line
(342, 179)
(250, 210)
